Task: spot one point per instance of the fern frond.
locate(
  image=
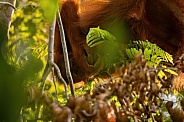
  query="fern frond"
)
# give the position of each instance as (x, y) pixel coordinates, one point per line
(152, 53)
(97, 36)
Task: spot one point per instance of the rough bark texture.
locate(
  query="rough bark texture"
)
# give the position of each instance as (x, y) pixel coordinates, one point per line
(10, 86)
(5, 19)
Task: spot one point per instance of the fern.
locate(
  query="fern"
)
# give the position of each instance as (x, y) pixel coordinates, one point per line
(107, 51)
(97, 36)
(152, 53)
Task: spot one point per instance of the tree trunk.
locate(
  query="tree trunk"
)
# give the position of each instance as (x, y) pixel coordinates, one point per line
(10, 86)
(6, 12)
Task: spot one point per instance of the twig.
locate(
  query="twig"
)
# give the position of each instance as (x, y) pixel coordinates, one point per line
(11, 5)
(61, 78)
(45, 75)
(50, 55)
(51, 63)
(7, 3)
(66, 60)
(25, 5)
(54, 80)
(131, 110)
(69, 119)
(162, 68)
(21, 114)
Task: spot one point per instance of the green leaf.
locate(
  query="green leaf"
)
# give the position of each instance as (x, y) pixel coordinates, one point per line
(147, 53)
(161, 74)
(129, 53)
(152, 52)
(49, 8)
(132, 52)
(97, 36)
(169, 70)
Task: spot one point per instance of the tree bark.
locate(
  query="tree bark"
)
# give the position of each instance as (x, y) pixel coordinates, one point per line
(10, 86)
(6, 12)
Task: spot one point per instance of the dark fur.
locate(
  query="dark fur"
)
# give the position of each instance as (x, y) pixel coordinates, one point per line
(160, 23)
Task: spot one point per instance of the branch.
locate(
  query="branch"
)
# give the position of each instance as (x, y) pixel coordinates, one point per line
(7, 3)
(65, 53)
(11, 5)
(60, 78)
(25, 5)
(51, 63)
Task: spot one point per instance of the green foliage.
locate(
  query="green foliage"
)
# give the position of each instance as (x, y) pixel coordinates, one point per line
(97, 36)
(133, 90)
(25, 53)
(152, 53)
(49, 8)
(27, 47)
(106, 51)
